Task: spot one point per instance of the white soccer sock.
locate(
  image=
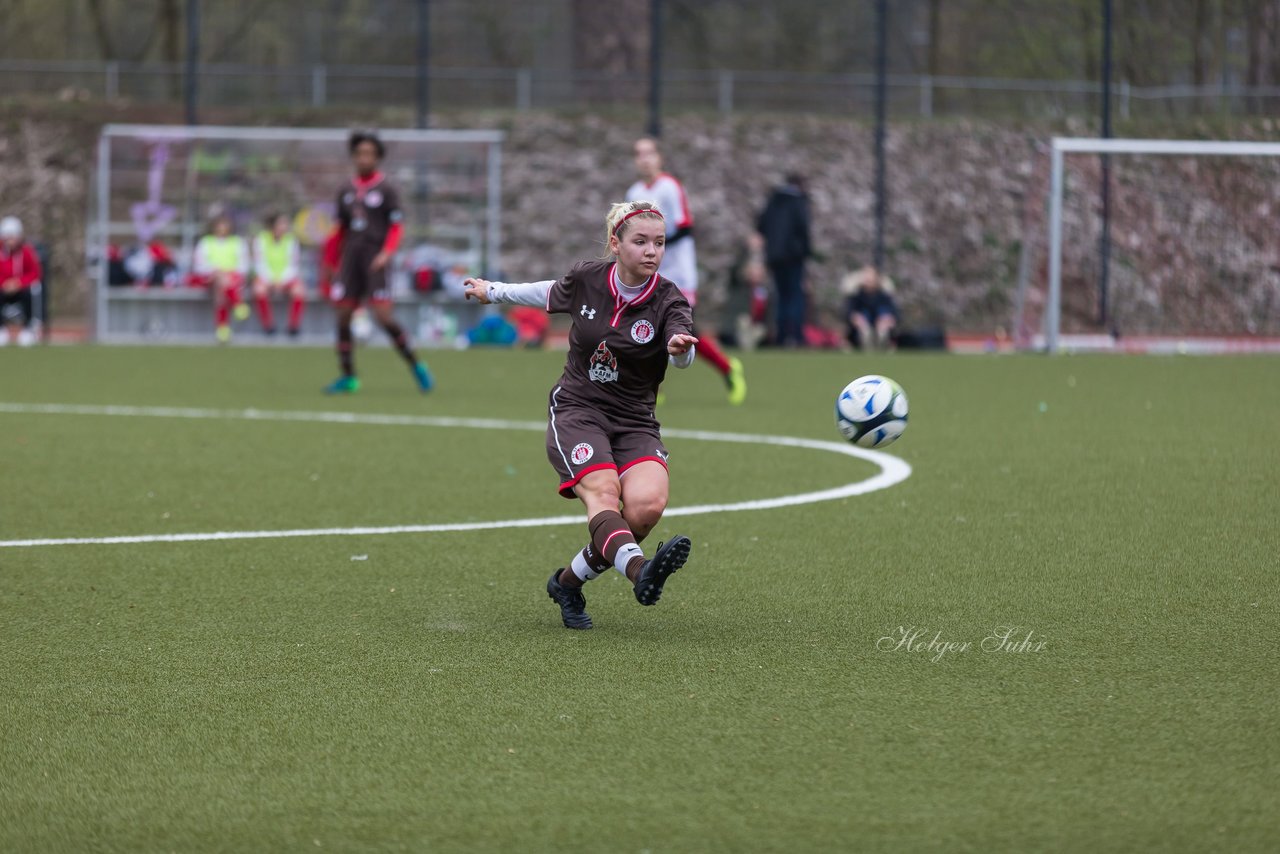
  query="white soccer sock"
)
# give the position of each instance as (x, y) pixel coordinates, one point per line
(581, 568)
(624, 556)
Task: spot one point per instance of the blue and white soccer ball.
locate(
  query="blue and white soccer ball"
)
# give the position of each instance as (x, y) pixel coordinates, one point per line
(871, 411)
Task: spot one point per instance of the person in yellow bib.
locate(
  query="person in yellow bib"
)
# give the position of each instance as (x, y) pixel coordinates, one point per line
(275, 271)
(221, 261)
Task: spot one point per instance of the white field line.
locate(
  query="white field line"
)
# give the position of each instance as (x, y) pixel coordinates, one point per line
(892, 470)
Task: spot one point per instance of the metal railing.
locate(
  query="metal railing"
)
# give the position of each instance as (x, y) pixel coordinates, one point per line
(724, 91)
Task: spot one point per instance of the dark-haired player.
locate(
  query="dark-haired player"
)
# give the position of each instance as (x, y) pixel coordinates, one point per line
(629, 323)
(368, 233)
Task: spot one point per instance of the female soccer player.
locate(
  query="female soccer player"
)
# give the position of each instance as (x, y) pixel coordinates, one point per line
(221, 260)
(275, 270)
(602, 437)
(679, 263)
(366, 237)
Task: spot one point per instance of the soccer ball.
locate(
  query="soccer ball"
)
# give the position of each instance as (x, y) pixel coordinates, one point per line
(871, 411)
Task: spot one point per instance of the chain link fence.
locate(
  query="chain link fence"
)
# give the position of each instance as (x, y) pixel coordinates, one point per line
(725, 92)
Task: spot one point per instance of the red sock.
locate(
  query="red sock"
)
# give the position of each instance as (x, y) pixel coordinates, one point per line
(710, 350)
(264, 313)
(295, 313)
(221, 315)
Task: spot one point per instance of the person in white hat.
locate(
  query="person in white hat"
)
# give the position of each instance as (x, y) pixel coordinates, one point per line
(19, 273)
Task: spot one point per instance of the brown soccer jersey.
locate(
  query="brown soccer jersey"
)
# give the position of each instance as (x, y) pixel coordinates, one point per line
(367, 209)
(617, 349)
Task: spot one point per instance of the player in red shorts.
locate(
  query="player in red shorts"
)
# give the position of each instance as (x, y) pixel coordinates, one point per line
(367, 235)
(276, 270)
(221, 262)
(603, 440)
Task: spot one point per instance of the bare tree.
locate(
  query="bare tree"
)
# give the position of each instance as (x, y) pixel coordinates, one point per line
(101, 31)
(611, 39)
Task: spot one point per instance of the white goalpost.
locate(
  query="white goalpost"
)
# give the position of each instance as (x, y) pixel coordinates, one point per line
(1196, 249)
(155, 187)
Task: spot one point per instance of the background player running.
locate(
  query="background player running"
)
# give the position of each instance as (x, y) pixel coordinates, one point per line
(680, 263)
(275, 270)
(602, 437)
(368, 233)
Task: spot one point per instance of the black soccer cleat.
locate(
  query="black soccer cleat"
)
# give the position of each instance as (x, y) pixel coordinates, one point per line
(573, 605)
(667, 559)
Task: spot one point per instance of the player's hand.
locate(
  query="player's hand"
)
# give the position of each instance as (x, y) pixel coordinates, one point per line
(680, 344)
(379, 262)
(478, 289)
(11, 285)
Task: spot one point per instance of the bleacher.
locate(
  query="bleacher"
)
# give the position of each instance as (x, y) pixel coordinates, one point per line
(184, 315)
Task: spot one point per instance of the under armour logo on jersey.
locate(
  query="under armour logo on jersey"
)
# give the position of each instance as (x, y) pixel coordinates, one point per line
(588, 313)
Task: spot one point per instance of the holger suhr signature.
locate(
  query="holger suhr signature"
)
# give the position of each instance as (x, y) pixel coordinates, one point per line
(1012, 640)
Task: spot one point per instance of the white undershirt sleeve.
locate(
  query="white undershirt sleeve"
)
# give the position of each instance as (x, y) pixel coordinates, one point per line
(532, 294)
(683, 361)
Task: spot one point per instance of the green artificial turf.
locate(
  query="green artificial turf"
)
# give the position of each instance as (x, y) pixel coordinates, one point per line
(416, 691)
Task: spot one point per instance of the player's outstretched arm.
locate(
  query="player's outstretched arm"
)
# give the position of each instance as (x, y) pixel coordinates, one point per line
(681, 349)
(533, 294)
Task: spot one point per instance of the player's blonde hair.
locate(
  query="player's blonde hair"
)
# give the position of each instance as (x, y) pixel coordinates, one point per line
(623, 212)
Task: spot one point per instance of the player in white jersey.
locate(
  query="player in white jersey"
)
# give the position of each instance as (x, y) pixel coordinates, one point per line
(680, 263)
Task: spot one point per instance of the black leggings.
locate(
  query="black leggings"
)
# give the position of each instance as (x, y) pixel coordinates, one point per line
(16, 307)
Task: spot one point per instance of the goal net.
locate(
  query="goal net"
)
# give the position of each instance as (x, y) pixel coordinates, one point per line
(156, 187)
(1194, 260)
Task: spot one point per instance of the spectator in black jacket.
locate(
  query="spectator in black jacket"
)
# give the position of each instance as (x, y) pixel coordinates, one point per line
(784, 224)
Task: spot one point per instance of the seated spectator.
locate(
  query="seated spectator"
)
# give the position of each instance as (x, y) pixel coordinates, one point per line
(221, 261)
(276, 270)
(145, 266)
(19, 274)
(871, 311)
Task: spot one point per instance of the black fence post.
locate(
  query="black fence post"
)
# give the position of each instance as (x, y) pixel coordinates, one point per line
(1104, 245)
(42, 310)
(655, 68)
(191, 82)
(882, 92)
(424, 63)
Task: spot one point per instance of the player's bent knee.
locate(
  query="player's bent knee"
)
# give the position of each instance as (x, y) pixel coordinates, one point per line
(645, 511)
(604, 498)
(599, 490)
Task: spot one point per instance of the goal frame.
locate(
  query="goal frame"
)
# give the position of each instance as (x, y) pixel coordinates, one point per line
(1091, 145)
(99, 218)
